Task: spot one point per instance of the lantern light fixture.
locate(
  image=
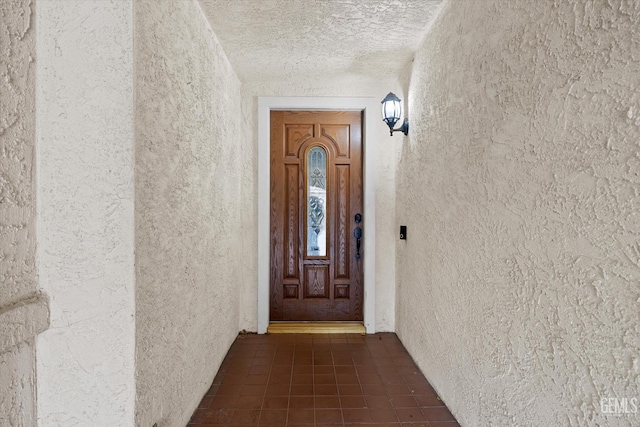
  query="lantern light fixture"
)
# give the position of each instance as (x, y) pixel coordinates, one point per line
(391, 113)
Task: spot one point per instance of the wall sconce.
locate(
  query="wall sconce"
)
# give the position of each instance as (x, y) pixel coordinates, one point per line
(391, 113)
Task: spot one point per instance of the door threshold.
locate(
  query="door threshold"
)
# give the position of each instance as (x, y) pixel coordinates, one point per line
(316, 328)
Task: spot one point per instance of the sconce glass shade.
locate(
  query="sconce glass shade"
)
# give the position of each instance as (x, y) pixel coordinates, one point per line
(391, 109)
(391, 113)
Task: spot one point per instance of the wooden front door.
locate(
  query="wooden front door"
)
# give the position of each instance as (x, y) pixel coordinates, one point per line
(316, 206)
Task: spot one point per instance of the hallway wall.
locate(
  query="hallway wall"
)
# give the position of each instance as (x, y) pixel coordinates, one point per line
(23, 311)
(518, 284)
(189, 164)
(85, 222)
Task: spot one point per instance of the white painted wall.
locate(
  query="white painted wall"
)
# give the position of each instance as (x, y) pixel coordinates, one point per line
(348, 86)
(190, 161)
(85, 188)
(518, 286)
(23, 311)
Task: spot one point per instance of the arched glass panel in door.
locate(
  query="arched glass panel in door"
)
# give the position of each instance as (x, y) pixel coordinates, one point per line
(317, 202)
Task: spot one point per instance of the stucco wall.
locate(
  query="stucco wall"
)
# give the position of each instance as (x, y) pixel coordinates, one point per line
(23, 311)
(519, 284)
(386, 147)
(189, 168)
(84, 100)
(17, 135)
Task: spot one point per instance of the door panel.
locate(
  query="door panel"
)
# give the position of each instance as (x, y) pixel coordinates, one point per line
(342, 221)
(316, 190)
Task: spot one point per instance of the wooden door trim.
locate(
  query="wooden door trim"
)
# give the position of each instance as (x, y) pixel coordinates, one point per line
(369, 107)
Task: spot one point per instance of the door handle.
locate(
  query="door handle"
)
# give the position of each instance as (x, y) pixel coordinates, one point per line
(357, 233)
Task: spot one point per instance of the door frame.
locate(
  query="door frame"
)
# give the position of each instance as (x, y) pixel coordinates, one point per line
(369, 107)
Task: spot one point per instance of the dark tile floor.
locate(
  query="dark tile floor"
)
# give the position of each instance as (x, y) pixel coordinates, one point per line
(320, 380)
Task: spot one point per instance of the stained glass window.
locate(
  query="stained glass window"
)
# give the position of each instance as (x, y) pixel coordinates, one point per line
(317, 202)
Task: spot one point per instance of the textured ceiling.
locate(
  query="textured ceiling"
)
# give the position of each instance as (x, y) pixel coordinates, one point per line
(285, 39)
